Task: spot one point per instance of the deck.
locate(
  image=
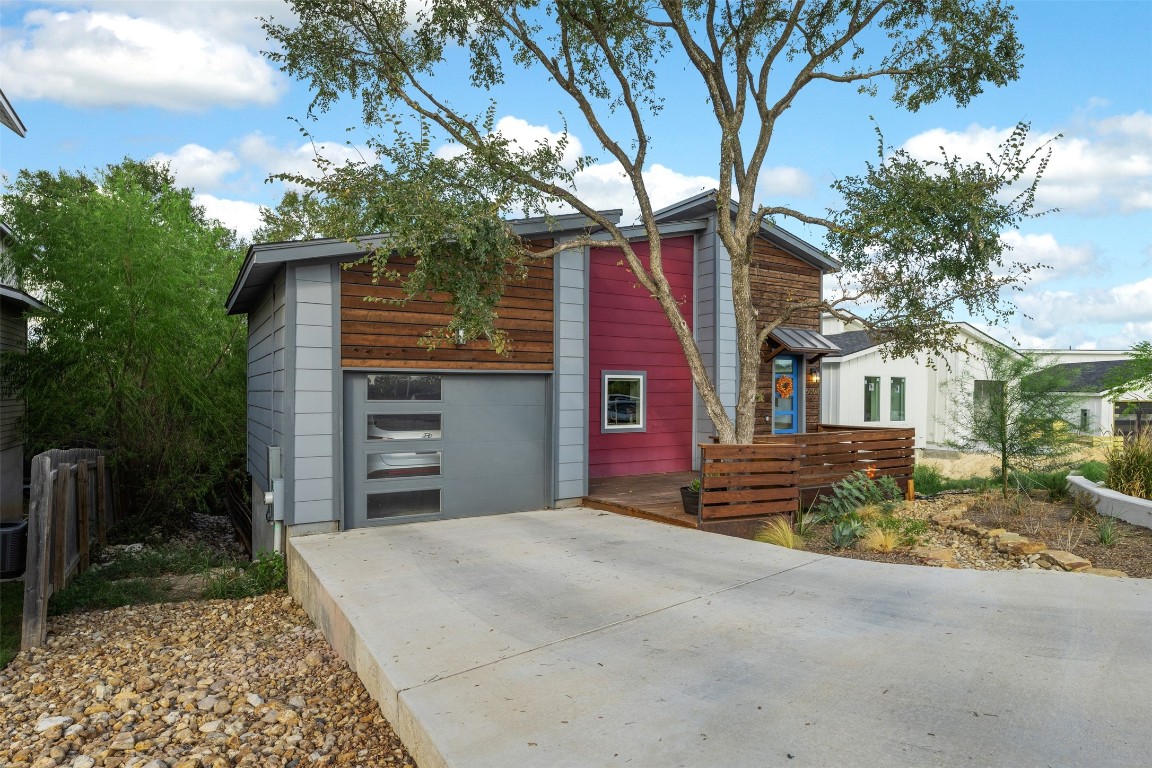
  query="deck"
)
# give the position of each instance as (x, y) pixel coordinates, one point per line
(649, 497)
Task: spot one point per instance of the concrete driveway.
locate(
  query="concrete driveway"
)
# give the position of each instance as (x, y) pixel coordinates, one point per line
(581, 638)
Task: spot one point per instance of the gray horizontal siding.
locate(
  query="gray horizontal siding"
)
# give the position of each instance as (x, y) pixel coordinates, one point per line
(571, 375)
(265, 380)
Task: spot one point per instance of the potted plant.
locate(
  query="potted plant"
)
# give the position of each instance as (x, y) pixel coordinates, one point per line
(690, 496)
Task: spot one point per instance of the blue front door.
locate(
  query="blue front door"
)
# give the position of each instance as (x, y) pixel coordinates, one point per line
(786, 384)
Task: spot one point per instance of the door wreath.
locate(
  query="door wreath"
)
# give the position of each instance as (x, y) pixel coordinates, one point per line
(784, 386)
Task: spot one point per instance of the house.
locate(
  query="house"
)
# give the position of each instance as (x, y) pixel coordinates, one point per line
(861, 388)
(351, 422)
(1097, 411)
(14, 305)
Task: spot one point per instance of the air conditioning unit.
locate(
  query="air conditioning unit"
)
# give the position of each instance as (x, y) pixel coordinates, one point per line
(13, 549)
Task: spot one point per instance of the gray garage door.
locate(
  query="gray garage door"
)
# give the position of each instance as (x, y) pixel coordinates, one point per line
(420, 446)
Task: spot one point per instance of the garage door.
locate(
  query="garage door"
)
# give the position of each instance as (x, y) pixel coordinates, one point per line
(421, 446)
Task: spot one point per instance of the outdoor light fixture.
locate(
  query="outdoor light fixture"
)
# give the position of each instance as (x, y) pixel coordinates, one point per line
(814, 375)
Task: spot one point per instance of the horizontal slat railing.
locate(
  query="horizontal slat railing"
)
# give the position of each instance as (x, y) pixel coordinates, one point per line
(748, 481)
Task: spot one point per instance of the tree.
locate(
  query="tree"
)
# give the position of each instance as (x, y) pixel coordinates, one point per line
(136, 355)
(1135, 375)
(1018, 411)
(916, 238)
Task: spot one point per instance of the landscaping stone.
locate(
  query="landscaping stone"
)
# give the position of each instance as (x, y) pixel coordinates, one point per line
(1064, 560)
(1106, 572)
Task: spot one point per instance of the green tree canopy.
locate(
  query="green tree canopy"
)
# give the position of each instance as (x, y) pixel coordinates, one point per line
(918, 238)
(136, 355)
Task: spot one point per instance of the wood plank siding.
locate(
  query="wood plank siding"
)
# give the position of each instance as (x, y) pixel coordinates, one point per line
(628, 331)
(379, 335)
(779, 279)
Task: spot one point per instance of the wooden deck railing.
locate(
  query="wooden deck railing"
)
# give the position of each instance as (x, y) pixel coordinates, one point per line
(750, 482)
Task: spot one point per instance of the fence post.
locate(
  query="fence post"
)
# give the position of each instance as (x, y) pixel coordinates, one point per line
(59, 539)
(101, 502)
(83, 512)
(36, 579)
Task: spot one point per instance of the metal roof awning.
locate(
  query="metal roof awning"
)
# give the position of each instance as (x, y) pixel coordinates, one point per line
(800, 341)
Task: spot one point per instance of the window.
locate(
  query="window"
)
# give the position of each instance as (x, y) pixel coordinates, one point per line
(623, 402)
(1083, 419)
(896, 401)
(403, 386)
(383, 466)
(401, 503)
(871, 398)
(987, 399)
(404, 426)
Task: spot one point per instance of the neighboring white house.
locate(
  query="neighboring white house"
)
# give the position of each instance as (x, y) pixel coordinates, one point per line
(861, 388)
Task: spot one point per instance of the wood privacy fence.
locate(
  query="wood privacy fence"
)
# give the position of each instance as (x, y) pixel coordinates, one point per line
(72, 503)
(740, 485)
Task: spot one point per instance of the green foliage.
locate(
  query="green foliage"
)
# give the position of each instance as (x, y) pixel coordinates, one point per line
(694, 486)
(806, 521)
(1136, 375)
(264, 574)
(916, 237)
(928, 479)
(1017, 412)
(856, 491)
(1096, 471)
(136, 355)
(907, 530)
(11, 620)
(846, 531)
(135, 577)
(1083, 507)
(1130, 466)
(1106, 532)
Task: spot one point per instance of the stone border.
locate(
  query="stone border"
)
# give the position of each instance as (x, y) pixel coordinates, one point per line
(1112, 503)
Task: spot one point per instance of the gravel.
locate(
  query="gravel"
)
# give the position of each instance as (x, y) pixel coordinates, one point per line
(212, 683)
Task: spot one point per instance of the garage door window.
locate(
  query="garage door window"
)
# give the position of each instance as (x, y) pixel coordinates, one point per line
(403, 386)
(403, 503)
(404, 426)
(623, 404)
(383, 466)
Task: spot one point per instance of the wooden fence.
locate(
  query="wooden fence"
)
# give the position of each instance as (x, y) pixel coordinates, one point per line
(72, 503)
(740, 485)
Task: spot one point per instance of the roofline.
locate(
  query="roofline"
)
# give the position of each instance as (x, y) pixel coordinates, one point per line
(9, 117)
(972, 331)
(15, 294)
(777, 234)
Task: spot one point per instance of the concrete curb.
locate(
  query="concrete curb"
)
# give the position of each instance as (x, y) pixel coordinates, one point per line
(1109, 502)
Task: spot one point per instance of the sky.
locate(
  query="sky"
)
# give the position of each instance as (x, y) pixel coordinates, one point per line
(185, 83)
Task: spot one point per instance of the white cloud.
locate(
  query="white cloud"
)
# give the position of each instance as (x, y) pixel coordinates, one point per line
(784, 181)
(1101, 166)
(258, 150)
(605, 186)
(240, 215)
(174, 59)
(199, 167)
(1043, 250)
(1052, 311)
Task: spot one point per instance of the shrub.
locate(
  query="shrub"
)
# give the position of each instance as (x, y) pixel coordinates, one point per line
(929, 480)
(264, 574)
(1055, 483)
(1130, 465)
(905, 530)
(1095, 471)
(856, 491)
(779, 531)
(1083, 507)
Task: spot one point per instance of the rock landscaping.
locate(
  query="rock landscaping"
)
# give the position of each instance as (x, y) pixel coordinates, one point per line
(190, 685)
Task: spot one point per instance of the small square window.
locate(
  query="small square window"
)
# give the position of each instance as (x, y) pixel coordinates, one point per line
(623, 402)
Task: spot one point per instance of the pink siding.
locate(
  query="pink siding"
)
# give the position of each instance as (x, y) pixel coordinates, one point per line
(629, 332)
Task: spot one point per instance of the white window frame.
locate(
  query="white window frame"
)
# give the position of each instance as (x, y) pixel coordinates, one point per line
(641, 408)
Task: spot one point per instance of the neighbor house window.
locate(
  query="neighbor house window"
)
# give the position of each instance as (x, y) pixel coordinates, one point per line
(987, 398)
(897, 398)
(871, 398)
(1083, 419)
(623, 403)
(403, 386)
